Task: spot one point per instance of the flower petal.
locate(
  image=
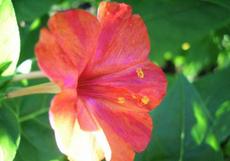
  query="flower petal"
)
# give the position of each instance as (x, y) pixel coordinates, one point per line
(132, 128)
(139, 87)
(76, 31)
(77, 144)
(123, 40)
(64, 50)
(85, 119)
(53, 61)
(121, 151)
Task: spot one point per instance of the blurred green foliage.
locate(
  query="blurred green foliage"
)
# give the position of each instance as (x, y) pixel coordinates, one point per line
(182, 128)
(190, 40)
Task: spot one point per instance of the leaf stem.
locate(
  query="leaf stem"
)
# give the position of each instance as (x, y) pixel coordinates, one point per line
(33, 115)
(31, 75)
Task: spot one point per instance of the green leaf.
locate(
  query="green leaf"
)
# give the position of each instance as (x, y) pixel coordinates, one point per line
(37, 137)
(28, 10)
(4, 66)
(9, 39)
(181, 125)
(214, 89)
(227, 149)
(172, 23)
(223, 3)
(4, 81)
(9, 134)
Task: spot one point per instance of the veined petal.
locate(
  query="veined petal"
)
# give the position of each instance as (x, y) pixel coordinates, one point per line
(85, 119)
(123, 40)
(76, 32)
(121, 151)
(65, 48)
(54, 62)
(77, 144)
(132, 128)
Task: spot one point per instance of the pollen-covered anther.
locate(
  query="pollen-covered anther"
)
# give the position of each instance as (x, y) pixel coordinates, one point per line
(140, 73)
(121, 100)
(145, 100)
(134, 96)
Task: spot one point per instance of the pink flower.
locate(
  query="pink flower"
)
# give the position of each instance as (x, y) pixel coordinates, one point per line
(108, 84)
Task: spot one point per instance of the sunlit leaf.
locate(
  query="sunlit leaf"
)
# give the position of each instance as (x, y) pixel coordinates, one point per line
(215, 93)
(9, 39)
(4, 66)
(9, 134)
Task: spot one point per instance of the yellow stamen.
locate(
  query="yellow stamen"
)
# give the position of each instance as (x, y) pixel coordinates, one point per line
(145, 100)
(134, 96)
(121, 100)
(140, 73)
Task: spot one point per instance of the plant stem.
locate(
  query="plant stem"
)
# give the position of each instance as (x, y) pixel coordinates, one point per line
(31, 75)
(37, 89)
(33, 115)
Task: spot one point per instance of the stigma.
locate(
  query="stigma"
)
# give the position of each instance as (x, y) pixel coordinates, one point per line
(140, 73)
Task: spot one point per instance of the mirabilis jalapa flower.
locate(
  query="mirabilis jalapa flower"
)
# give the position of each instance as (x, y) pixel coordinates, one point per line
(108, 84)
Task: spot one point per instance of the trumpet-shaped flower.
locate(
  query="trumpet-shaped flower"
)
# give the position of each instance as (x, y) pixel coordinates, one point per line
(108, 84)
